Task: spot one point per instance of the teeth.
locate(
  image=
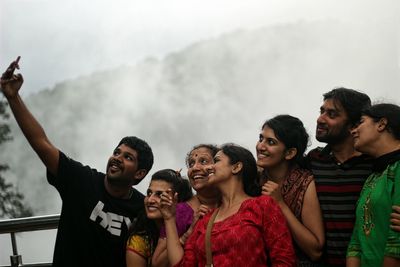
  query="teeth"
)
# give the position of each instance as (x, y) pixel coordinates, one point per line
(114, 166)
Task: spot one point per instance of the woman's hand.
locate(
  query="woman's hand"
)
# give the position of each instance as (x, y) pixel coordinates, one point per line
(272, 189)
(168, 204)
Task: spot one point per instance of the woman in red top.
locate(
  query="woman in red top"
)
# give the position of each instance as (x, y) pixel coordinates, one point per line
(248, 231)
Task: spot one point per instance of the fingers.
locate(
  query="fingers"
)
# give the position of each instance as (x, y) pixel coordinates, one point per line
(269, 187)
(200, 212)
(396, 209)
(169, 192)
(8, 74)
(203, 210)
(395, 227)
(167, 198)
(265, 190)
(395, 218)
(19, 77)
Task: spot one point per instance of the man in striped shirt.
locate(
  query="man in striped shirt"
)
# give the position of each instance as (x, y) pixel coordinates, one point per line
(339, 170)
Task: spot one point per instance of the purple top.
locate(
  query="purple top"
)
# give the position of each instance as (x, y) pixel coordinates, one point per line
(184, 218)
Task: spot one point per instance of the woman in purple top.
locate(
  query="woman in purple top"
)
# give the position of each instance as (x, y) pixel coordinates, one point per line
(199, 161)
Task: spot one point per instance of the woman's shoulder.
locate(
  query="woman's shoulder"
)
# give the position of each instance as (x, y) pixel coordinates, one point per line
(260, 202)
(139, 244)
(301, 174)
(261, 208)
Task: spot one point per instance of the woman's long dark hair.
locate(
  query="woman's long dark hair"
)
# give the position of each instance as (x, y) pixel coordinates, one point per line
(248, 173)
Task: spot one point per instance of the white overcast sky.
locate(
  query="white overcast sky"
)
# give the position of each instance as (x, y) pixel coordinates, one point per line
(64, 39)
(60, 40)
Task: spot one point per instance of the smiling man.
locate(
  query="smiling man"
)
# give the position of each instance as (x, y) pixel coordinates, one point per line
(97, 208)
(339, 170)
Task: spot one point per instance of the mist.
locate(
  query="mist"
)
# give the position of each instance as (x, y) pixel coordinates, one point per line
(182, 73)
(61, 40)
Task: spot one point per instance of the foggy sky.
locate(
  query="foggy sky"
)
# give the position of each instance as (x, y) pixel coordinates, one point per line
(62, 40)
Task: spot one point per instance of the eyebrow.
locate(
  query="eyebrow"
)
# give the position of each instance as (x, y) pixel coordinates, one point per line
(329, 109)
(129, 154)
(155, 191)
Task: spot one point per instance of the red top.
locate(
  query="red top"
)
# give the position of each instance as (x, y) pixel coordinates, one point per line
(256, 232)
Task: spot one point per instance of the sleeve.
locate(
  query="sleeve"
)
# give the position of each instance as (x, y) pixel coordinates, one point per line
(276, 234)
(354, 249)
(138, 245)
(392, 248)
(69, 175)
(184, 218)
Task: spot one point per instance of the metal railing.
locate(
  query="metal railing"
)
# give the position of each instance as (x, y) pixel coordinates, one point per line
(37, 223)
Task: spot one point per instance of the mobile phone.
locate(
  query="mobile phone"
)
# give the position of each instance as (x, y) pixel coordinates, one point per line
(10, 71)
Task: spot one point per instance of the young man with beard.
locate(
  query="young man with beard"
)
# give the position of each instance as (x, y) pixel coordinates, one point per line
(97, 208)
(339, 170)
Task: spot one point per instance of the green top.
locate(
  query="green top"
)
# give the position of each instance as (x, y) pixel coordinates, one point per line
(372, 237)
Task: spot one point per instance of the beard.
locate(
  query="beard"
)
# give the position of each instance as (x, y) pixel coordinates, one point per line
(119, 181)
(334, 138)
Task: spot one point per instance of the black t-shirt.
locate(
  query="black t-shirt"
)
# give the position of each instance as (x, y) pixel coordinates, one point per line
(93, 225)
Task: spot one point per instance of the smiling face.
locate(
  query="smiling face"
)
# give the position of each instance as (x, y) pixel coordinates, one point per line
(199, 163)
(271, 151)
(153, 198)
(122, 167)
(222, 168)
(332, 123)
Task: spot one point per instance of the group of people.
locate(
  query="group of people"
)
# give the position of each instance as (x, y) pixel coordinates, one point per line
(335, 206)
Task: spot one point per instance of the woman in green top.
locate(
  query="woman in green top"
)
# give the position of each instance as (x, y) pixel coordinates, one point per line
(373, 242)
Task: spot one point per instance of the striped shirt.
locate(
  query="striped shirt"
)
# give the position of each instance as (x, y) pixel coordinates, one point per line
(338, 187)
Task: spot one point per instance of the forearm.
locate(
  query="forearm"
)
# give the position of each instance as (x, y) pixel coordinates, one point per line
(160, 255)
(304, 238)
(353, 262)
(134, 260)
(174, 247)
(390, 262)
(34, 133)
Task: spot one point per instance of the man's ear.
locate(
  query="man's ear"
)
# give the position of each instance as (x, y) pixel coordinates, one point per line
(290, 153)
(140, 174)
(382, 123)
(237, 167)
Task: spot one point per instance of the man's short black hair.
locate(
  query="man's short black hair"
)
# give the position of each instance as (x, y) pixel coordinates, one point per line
(143, 150)
(351, 100)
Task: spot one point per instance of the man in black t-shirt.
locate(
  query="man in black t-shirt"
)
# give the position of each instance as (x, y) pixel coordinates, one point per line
(97, 208)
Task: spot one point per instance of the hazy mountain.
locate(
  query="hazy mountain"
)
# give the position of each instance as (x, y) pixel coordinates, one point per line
(216, 90)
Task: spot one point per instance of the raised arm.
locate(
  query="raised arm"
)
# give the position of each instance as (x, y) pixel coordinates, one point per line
(33, 131)
(174, 248)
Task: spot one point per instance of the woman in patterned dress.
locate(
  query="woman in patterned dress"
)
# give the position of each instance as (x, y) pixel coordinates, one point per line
(280, 149)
